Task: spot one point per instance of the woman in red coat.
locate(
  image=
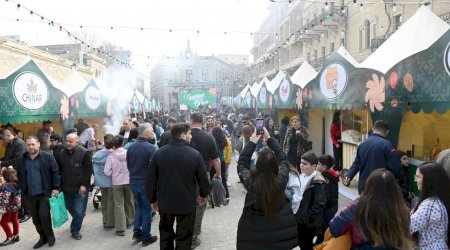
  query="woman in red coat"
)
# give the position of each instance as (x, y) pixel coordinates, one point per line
(335, 134)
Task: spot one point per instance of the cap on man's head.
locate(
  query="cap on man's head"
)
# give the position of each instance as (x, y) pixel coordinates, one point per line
(72, 131)
(46, 122)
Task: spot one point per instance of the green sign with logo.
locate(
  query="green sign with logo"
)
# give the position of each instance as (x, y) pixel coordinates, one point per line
(197, 98)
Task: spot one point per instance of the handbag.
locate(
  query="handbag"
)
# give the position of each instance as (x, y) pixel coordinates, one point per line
(343, 242)
(58, 210)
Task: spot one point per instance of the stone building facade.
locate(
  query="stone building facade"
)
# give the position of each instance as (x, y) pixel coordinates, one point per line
(191, 71)
(298, 31)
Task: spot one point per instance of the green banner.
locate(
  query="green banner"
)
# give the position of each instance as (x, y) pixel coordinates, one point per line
(197, 98)
(288, 95)
(27, 95)
(88, 103)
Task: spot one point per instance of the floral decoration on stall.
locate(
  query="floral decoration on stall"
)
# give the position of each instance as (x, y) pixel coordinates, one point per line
(375, 94)
(408, 82)
(299, 100)
(393, 80)
(64, 109)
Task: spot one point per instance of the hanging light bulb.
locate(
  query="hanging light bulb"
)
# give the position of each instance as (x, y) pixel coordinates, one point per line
(327, 7)
(361, 6)
(394, 7)
(18, 6)
(31, 13)
(276, 36)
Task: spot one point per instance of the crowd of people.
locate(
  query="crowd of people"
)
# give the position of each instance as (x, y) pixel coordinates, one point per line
(169, 164)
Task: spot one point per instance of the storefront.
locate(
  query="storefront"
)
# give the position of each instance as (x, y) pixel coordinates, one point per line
(27, 97)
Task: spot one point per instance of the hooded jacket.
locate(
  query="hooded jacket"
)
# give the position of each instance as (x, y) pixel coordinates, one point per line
(98, 164)
(116, 166)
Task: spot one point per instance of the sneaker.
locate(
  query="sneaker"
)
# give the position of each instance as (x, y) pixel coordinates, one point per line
(77, 236)
(152, 239)
(40, 243)
(120, 233)
(137, 237)
(195, 242)
(228, 184)
(107, 227)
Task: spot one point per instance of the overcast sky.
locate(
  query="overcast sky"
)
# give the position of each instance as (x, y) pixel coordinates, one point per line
(211, 17)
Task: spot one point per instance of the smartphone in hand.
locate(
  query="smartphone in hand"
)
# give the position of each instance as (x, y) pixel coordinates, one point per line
(259, 126)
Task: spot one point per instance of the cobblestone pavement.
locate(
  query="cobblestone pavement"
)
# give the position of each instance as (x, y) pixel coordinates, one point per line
(218, 230)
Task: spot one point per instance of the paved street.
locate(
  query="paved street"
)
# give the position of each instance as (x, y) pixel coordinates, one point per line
(218, 231)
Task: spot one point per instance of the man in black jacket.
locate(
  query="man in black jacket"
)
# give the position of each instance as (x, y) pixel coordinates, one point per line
(75, 166)
(15, 148)
(167, 136)
(310, 214)
(39, 179)
(180, 164)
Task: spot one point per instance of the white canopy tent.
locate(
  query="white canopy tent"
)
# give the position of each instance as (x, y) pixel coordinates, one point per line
(417, 34)
(244, 91)
(73, 83)
(303, 75)
(256, 87)
(276, 81)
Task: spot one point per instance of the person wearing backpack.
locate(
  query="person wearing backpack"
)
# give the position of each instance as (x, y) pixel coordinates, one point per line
(10, 196)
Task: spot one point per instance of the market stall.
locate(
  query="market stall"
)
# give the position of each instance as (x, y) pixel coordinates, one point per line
(339, 85)
(29, 96)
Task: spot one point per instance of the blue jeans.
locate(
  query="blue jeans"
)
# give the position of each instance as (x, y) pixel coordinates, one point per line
(76, 205)
(143, 212)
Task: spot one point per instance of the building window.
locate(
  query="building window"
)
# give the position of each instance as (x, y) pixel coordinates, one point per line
(323, 51)
(308, 57)
(397, 21)
(343, 42)
(205, 75)
(189, 75)
(315, 54)
(331, 48)
(367, 33)
(360, 39)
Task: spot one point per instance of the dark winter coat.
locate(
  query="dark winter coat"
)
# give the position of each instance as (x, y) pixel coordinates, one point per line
(13, 153)
(332, 188)
(176, 169)
(255, 231)
(76, 169)
(51, 179)
(313, 204)
(374, 153)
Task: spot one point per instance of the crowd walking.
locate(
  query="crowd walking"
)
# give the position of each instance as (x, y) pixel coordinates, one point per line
(170, 168)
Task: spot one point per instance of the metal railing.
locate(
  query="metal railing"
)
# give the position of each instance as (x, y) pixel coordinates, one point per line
(378, 41)
(445, 17)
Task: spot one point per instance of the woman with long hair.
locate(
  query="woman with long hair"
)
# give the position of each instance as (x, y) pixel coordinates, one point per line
(246, 133)
(335, 135)
(379, 218)
(430, 217)
(296, 141)
(267, 221)
(221, 143)
(269, 123)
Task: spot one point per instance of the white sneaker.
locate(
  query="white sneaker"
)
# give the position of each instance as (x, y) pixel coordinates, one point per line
(228, 184)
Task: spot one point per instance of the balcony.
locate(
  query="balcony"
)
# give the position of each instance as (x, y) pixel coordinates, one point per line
(378, 41)
(317, 63)
(445, 17)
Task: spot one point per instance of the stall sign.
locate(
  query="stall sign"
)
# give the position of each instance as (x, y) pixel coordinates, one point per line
(30, 91)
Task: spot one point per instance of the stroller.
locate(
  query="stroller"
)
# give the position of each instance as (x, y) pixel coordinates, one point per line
(96, 192)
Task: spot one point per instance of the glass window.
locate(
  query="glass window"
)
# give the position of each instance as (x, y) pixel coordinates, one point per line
(189, 75)
(205, 75)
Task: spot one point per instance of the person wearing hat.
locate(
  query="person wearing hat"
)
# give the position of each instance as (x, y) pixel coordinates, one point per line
(43, 135)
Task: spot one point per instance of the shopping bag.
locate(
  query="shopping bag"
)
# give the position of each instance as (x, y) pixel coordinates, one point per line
(59, 211)
(343, 242)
